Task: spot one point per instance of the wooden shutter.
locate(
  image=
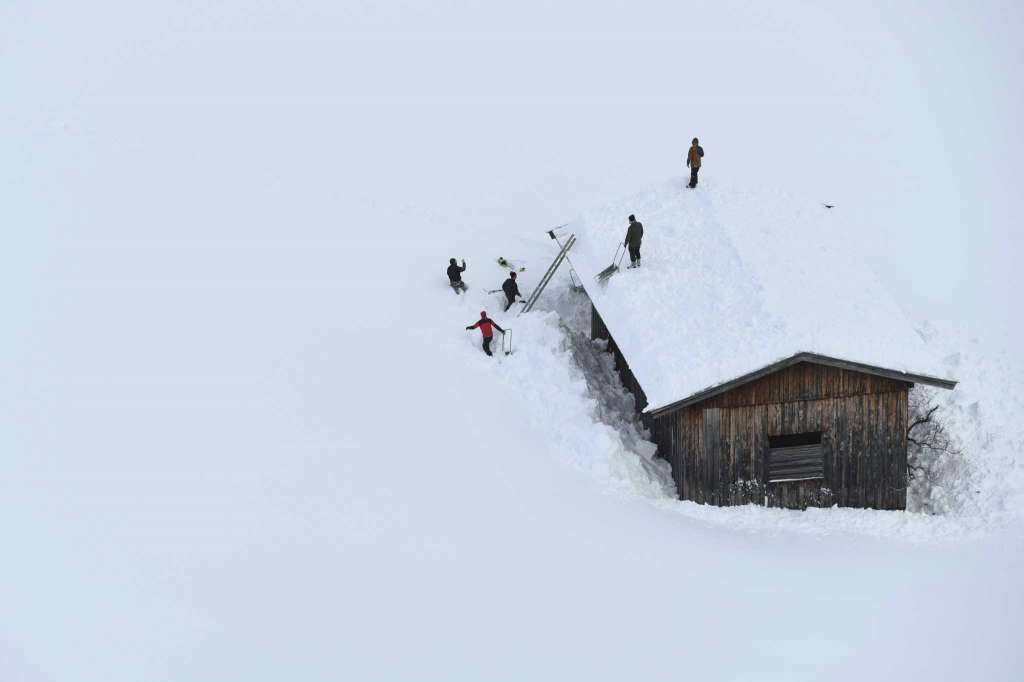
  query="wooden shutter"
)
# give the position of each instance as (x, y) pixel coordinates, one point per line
(796, 463)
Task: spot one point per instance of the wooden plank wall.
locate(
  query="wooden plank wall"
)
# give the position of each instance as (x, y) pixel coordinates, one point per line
(717, 448)
(805, 381)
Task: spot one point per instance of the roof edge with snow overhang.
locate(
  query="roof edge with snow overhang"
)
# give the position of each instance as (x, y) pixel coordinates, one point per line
(802, 356)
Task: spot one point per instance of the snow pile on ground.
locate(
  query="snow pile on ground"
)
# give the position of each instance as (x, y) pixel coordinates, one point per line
(984, 477)
(566, 386)
(734, 280)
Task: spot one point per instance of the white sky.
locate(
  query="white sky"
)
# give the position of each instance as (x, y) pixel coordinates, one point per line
(906, 117)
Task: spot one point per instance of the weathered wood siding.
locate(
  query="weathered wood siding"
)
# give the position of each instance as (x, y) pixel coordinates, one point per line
(718, 454)
(805, 381)
(718, 447)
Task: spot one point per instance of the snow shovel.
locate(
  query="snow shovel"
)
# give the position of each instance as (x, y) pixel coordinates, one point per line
(507, 336)
(620, 253)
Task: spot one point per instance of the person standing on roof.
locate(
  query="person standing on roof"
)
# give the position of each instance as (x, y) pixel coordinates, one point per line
(485, 323)
(634, 235)
(693, 158)
(455, 275)
(511, 290)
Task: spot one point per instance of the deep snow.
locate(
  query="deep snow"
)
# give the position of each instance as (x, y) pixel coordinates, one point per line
(734, 280)
(980, 495)
(245, 435)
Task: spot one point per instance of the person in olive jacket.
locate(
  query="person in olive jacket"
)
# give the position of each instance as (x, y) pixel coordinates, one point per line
(693, 158)
(634, 235)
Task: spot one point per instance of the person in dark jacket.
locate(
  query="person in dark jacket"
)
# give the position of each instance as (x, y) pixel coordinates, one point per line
(693, 158)
(484, 324)
(455, 275)
(634, 235)
(511, 290)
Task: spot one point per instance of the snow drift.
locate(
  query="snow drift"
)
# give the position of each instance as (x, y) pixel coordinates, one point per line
(734, 280)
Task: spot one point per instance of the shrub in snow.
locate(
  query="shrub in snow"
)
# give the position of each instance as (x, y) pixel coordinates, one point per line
(936, 465)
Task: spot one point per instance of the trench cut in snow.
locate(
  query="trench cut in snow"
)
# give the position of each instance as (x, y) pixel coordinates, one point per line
(733, 281)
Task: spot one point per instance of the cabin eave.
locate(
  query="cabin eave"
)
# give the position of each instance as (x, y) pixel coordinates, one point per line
(803, 356)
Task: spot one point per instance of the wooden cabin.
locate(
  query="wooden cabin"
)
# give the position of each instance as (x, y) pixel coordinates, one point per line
(809, 430)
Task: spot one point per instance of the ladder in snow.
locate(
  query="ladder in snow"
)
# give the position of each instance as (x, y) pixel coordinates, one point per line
(551, 270)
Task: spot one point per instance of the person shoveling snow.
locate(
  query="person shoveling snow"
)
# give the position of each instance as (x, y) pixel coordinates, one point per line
(485, 325)
(634, 235)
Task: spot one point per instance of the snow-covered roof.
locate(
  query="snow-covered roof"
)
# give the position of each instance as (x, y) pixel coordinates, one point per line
(733, 281)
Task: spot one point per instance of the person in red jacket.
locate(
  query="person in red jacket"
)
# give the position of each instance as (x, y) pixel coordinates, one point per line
(485, 323)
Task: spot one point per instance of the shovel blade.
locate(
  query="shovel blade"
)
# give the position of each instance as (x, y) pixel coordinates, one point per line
(607, 272)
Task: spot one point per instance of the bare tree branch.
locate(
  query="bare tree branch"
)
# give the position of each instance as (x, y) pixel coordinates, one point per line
(933, 460)
(925, 419)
